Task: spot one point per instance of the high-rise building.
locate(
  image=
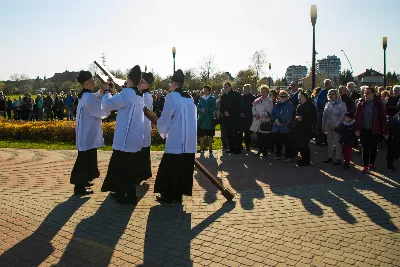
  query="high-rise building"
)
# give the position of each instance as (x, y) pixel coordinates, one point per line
(330, 66)
(295, 73)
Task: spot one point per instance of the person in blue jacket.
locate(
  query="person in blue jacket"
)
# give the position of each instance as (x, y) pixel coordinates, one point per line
(322, 99)
(282, 116)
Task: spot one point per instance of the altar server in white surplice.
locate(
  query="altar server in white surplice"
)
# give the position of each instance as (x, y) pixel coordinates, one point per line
(123, 169)
(144, 86)
(178, 125)
(89, 135)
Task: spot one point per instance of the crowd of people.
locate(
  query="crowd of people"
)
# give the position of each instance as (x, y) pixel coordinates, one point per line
(54, 106)
(334, 117)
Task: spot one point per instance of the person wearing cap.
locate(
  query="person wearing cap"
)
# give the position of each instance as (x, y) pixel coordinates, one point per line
(347, 131)
(124, 167)
(393, 141)
(89, 135)
(144, 86)
(178, 125)
(282, 116)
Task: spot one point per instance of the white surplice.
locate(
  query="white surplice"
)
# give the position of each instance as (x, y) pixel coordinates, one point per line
(128, 135)
(178, 124)
(89, 133)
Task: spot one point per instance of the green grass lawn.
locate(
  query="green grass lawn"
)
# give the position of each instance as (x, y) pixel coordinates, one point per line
(30, 144)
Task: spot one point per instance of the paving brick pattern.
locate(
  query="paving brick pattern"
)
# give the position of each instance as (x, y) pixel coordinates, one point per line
(283, 215)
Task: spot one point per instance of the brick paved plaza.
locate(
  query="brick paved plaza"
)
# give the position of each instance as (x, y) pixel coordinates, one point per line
(283, 215)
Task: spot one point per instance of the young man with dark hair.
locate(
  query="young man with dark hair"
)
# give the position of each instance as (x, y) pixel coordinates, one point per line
(178, 125)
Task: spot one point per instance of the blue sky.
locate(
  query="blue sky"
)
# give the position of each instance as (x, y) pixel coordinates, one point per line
(41, 37)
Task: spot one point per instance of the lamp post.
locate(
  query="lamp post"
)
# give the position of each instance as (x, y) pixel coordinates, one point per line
(173, 55)
(269, 75)
(145, 68)
(384, 42)
(313, 14)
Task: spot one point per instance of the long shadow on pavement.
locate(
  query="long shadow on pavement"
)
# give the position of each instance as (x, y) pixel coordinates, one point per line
(169, 233)
(212, 165)
(37, 247)
(95, 238)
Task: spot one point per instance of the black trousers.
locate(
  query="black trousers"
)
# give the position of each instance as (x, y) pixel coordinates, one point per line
(232, 128)
(9, 114)
(280, 140)
(247, 138)
(369, 143)
(391, 153)
(262, 142)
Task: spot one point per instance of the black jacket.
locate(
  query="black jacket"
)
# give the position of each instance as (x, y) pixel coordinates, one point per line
(347, 133)
(304, 128)
(394, 130)
(231, 102)
(393, 101)
(294, 99)
(349, 103)
(247, 110)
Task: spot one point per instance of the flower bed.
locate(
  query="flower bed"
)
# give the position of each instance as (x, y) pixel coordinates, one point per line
(62, 131)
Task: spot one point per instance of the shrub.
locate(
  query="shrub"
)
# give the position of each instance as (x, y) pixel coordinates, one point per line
(59, 131)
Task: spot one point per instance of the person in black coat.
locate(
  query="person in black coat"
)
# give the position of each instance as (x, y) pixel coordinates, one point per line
(347, 131)
(344, 95)
(246, 115)
(394, 100)
(294, 95)
(230, 110)
(393, 141)
(306, 117)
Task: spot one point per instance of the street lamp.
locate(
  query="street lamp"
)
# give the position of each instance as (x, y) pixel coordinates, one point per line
(348, 61)
(384, 42)
(173, 55)
(313, 14)
(269, 75)
(145, 68)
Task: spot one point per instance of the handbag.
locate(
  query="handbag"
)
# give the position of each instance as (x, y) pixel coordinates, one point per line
(266, 126)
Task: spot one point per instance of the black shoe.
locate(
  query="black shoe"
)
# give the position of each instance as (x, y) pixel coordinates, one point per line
(346, 166)
(337, 162)
(329, 160)
(392, 169)
(82, 191)
(163, 199)
(302, 163)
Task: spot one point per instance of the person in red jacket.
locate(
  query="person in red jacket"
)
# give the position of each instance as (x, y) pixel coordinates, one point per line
(371, 124)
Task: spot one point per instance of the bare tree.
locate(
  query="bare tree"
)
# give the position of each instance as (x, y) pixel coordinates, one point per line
(207, 68)
(259, 59)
